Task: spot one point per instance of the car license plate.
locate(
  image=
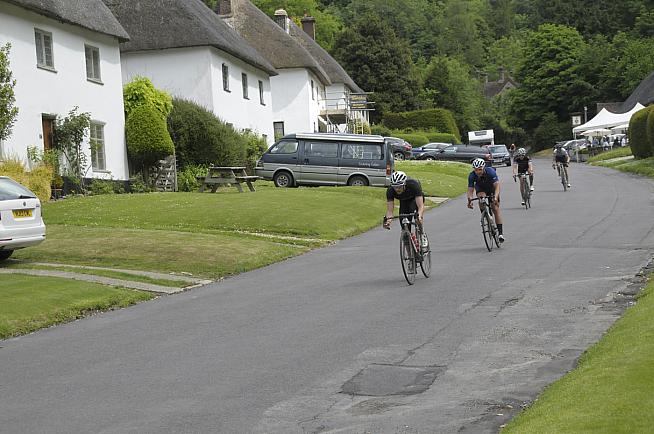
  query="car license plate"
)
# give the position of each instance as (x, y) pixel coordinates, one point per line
(18, 213)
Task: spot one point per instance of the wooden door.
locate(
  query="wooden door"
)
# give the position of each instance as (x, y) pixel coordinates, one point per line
(48, 130)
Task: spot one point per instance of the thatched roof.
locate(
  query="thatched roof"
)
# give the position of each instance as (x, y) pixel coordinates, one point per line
(644, 94)
(161, 24)
(271, 40)
(333, 69)
(90, 14)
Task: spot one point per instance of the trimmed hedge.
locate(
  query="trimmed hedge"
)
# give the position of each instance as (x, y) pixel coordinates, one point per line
(441, 137)
(414, 138)
(437, 119)
(147, 137)
(638, 140)
(650, 130)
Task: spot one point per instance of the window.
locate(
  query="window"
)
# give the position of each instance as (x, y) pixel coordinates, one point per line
(321, 149)
(312, 90)
(285, 147)
(97, 146)
(244, 80)
(278, 127)
(225, 78)
(261, 93)
(356, 151)
(44, 57)
(92, 63)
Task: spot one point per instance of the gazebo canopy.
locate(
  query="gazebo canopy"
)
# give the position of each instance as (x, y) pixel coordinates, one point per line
(607, 119)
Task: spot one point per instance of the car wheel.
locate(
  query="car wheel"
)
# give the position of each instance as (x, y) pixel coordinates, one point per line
(283, 179)
(4, 254)
(430, 159)
(398, 156)
(357, 181)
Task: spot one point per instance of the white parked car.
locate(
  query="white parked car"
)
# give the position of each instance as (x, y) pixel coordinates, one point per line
(21, 224)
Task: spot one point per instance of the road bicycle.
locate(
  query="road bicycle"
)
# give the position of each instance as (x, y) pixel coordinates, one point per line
(525, 189)
(562, 170)
(412, 239)
(488, 227)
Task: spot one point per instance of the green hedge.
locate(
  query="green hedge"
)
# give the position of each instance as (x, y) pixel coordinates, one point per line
(650, 130)
(440, 120)
(441, 137)
(147, 137)
(413, 138)
(637, 132)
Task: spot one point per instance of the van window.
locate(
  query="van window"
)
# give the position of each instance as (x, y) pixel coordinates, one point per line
(321, 149)
(285, 147)
(357, 151)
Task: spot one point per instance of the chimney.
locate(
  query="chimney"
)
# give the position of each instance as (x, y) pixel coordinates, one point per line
(309, 25)
(281, 18)
(223, 7)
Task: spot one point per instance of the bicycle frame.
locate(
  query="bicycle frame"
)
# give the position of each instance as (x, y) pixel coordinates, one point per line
(488, 227)
(525, 189)
(563, 173)
(411, 252)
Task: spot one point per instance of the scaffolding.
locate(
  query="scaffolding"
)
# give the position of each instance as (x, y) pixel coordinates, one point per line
(347, 112)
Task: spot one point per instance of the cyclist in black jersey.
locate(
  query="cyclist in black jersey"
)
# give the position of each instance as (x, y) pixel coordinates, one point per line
(409, 192)
(522, 164)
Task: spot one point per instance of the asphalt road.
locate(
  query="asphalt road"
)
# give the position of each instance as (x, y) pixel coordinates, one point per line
(335, 341)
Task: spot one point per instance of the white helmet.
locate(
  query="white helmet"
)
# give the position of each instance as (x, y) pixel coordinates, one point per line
(522, 152)
(477, 163)
(398, 179)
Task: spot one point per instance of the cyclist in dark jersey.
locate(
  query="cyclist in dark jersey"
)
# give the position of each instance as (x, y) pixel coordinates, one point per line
(561, 156)
(409, 192)
(484, 181)
(522, 164)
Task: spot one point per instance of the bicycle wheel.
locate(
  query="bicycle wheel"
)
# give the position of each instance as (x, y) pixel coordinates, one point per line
(496, 233)
(487, 230)
(425, 264)
(524, 191)
(408, 258)
(564, 179)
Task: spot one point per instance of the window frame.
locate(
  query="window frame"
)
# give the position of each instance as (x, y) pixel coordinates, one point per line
(94, 127)
(276, 129)
(96, 76)
(244, 84)
(261, 93)
(225, 71)
(40, 39)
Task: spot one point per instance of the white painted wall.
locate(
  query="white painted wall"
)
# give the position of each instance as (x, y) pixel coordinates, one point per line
(292, 102)
(39, 91)
(195, 74)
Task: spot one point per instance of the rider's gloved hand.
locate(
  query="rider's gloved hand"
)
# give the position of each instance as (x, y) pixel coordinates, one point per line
(469, 204)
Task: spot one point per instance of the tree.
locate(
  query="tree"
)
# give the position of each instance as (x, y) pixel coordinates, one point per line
(147, 138)
(549, 76)
(141, 91)
(68, 136)
(379, 61)
(8, 112)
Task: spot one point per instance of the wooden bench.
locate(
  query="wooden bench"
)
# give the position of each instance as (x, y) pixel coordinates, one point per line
(217, 176)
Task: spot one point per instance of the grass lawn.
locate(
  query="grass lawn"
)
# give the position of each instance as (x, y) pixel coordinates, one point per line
(28, 303)
(613, 153)
(643, 167)
(611, 389)
(438, 178)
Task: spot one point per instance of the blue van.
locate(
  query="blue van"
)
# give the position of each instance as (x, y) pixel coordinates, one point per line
(327, 159)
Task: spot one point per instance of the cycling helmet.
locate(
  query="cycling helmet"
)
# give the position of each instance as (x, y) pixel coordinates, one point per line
(398, 179)
(522, 152)
(477, 163)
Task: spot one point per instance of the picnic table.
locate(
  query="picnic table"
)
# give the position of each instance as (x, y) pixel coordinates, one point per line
(234, 176)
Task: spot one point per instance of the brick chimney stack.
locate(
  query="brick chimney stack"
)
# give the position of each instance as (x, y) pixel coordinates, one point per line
(309, 25)
(224, 7)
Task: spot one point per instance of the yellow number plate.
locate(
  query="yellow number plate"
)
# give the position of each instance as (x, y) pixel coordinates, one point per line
(22, 213)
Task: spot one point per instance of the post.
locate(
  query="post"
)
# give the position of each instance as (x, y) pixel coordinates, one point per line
(585, 114)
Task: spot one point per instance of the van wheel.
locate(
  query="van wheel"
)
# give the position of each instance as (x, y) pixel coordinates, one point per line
(398, 156)
(283, 179)
(357, 181)
(4, 254)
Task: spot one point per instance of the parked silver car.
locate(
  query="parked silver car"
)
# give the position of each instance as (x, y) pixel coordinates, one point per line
(21, 224)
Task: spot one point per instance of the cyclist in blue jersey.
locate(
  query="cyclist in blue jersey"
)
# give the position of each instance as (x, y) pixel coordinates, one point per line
(484, 181)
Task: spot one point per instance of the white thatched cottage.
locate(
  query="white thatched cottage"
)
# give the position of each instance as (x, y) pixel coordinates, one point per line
(65, 54)
(185, 49)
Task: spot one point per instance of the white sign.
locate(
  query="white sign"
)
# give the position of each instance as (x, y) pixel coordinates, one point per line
(576, 120)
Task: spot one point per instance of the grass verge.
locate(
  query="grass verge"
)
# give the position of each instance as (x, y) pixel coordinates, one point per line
(643, 167)
(28, 303)
(610, 391)
(614, 153)
(438, 178)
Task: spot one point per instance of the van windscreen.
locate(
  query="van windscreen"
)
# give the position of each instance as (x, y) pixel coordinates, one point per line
(358, 151)
(285, 147)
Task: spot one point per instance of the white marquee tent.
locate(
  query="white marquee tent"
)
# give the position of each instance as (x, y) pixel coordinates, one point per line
(607, 119)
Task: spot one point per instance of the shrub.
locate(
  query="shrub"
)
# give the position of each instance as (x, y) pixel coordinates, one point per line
(101, 186)
(413, 138)
(203, 139)
(137, 185)
(147, 137)
(38, 180)
(440, 120)
(187, 178)
(140, 92)
(650, 130)
(638, 134)
(255, 146)
(441, 137)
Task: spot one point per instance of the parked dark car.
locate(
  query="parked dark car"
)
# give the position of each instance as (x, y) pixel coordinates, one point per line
(401, 148)
(500, 154)
(428, 147)
(464, 153)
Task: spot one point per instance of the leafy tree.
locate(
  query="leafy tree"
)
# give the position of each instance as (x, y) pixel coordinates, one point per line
(68, 136)
(644, 25)
(549, 76)
(379, 61)
(8, 112)
(465, 31)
